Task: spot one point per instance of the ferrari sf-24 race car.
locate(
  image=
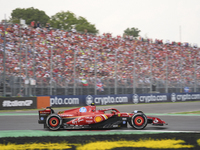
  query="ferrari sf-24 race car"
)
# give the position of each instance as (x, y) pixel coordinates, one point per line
(90, 118)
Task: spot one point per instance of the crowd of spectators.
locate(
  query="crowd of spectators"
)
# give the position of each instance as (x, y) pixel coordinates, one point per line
(116, 57)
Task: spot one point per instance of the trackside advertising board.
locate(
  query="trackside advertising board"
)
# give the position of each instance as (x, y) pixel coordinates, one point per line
(66, 100)
(13, 103)
(175, 97)
(169, 97)
(83, 100)
(107, 99)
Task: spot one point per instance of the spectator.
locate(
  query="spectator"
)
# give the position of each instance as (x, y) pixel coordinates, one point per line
(43, 44)
(33, 24)
(38, 24)
(47, 26)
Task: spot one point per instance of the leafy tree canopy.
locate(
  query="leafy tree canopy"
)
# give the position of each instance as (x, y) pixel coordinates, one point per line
(68, 21)
(133, 31)
(29, 14)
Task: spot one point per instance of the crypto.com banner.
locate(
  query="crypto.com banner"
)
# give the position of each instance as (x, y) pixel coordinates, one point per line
(169, 97)
(83, 100)
(66, 101)
(107, 99)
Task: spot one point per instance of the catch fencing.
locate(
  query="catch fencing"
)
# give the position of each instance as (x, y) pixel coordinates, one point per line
(109, 87)
(14, 103)
(82, 64)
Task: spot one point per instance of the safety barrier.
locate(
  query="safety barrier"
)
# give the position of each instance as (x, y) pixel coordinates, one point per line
(12, 103)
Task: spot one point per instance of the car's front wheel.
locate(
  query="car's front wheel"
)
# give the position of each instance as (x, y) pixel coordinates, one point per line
(54, 122)
(138, 121)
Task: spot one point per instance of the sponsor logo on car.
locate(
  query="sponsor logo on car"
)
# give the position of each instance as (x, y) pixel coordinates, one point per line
(89, 121)
(97, 119)
(80, 119)
(88, 117)
(155, 121)
(82, 109)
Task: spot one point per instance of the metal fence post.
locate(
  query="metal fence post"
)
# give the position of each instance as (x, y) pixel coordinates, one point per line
(166, 81)
(95, 67)
(74, 91)
(4, 60)
(26, 93)
(116, 71)
(20, 60)
(34, 77)
(51, 63)
(134, 90)
(151, 71)
(195, 76)
(181, 69)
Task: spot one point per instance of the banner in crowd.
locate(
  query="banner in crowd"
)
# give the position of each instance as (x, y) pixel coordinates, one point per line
(13, 103)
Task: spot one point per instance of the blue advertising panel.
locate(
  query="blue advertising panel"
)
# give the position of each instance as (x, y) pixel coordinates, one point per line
(175, 97)
(147, 98)
(83, 100)
(66, 100)
(107, 99)
(169, 97)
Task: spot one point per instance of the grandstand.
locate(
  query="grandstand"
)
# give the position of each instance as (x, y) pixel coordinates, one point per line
(45, 61)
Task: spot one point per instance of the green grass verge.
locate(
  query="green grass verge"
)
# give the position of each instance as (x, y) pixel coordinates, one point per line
(190, 112)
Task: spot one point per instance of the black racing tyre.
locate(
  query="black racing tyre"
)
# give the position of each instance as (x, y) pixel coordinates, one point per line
(138, 121)
(137, 111)
(54, 122)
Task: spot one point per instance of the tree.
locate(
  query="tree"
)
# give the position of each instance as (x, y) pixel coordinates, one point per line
(133, 31)
(63, 20)
(68, 21)
(29, 14)
(83, 25)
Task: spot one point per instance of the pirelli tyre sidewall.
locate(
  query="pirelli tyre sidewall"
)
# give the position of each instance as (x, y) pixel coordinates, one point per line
(139, 121)
(54, 122)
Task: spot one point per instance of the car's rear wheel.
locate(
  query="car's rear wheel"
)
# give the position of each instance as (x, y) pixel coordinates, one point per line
(138, 121)
(54, 122)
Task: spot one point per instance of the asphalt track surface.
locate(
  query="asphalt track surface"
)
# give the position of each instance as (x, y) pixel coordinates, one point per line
(28, 120)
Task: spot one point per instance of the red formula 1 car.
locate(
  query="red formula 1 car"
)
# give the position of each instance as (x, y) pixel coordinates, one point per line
(89, 117)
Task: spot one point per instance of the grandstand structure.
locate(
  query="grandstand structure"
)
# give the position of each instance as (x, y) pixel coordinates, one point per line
(45, 61)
